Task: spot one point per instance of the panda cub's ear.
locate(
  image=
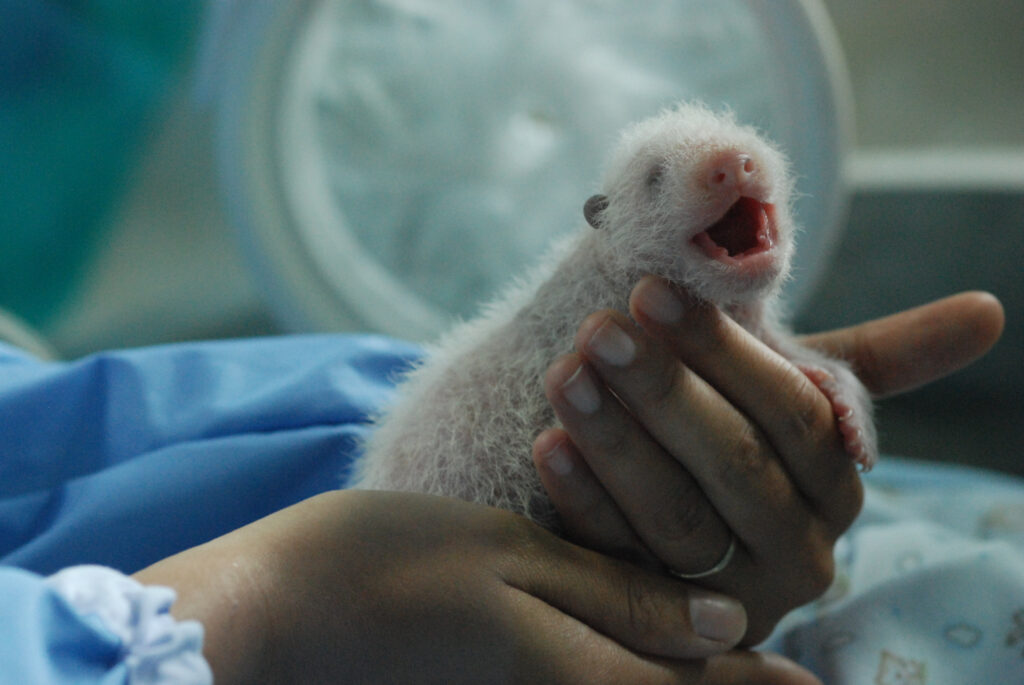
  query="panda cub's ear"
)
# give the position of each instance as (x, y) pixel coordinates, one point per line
(593, 208)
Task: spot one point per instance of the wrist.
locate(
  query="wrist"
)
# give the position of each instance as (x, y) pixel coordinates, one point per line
(224, 591)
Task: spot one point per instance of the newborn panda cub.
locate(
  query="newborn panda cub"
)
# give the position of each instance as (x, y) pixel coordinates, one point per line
(688, 195)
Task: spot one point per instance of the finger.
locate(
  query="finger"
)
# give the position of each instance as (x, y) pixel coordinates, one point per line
(559, 649)
(900, 352)
(587, 513)
(642, 610)
(793, 414)
(758, 668)
(728, 455)
(663, 503)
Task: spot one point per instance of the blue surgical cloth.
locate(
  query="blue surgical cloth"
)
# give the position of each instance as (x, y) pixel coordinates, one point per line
(92, 624)
(126, 457)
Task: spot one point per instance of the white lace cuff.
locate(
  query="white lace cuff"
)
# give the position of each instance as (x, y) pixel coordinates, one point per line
(155, 648)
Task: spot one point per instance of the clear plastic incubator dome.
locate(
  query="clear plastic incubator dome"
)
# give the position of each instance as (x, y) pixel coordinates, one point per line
(390, 164)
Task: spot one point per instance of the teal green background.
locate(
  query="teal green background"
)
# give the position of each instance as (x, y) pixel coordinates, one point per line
(79, 84)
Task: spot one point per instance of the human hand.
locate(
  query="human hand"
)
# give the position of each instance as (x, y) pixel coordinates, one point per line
(909, 349)
(723, 437)
(372, 587)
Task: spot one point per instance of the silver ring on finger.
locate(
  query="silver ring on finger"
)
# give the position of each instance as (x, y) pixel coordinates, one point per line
(717, 568)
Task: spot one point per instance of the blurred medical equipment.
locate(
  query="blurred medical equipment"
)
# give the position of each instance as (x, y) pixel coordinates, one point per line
(77, 83)
(388, 165)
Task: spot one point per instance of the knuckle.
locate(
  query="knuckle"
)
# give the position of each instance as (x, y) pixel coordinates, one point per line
(808, 421)
(846, 504)
(817, 570)
(661, 382)
(744, 460)
(870, 363)
(588, 506)
(715, 330)
(616, 439)
(819, 576)
(504, 534)
(646, 613)
(681, 517)
(855, 502)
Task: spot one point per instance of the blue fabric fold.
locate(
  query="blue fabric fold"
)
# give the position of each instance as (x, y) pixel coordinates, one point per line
(49, 642)
(125, 457)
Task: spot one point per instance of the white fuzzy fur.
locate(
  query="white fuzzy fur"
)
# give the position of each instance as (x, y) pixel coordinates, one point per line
(465, 419)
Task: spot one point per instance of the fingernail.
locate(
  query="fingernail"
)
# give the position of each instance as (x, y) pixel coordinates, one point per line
(581, 392)
(559, 461)
(660, 303)
(716, 617)
(612, 345)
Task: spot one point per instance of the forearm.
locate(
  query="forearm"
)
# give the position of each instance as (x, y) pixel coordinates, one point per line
(220, 585)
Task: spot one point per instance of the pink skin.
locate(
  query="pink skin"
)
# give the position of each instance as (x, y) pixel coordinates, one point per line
(731, 175)
(847, 418)
(743, 239)
(731, 170)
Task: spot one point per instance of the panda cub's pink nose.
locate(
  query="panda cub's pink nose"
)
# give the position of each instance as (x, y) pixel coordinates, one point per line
(730, 171)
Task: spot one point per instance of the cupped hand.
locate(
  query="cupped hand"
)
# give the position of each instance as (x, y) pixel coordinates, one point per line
(685, 431)
(373, 587)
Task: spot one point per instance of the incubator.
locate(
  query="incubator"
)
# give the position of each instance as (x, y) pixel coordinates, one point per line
(387, 166)
(391, 164)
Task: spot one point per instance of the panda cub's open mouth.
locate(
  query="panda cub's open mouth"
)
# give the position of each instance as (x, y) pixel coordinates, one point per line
(747, 229)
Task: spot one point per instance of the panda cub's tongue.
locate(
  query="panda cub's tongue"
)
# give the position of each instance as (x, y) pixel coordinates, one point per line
(744, 230)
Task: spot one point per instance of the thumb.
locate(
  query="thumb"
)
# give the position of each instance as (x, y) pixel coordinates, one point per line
(640, 609)
(914, 347)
